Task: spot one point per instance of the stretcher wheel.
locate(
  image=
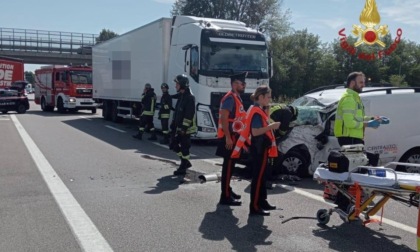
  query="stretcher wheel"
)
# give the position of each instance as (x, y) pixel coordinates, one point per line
(323, 216)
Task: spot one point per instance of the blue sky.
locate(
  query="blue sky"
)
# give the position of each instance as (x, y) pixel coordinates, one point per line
(322, 17)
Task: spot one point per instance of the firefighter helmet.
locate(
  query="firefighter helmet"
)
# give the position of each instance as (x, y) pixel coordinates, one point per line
(148, 86)
(183, 81)
(164, 85)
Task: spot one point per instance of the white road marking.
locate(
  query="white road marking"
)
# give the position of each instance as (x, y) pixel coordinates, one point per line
(122, 131)
(4, 119)
(85, 232)
(84, 117)
(167, 147)
(321, 199)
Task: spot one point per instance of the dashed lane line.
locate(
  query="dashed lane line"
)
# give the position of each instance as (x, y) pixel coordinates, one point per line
(113, 128)
(86, 118)
(85, 232)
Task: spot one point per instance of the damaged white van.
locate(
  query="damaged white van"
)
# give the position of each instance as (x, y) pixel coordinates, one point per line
(312, 137)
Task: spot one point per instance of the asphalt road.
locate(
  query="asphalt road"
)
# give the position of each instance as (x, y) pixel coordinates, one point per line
(86, 185)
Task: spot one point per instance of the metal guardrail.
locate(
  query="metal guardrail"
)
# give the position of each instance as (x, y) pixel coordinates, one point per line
(26, 40)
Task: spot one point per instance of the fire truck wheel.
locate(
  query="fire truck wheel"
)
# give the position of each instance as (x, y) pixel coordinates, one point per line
(60, 105)
(21, 109)
(94, 111)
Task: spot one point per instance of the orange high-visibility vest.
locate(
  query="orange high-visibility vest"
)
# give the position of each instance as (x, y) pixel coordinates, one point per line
(245, 134)
(238, 123)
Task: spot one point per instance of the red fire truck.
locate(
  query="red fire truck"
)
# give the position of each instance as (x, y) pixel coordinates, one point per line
(11, 70)
(64, 87)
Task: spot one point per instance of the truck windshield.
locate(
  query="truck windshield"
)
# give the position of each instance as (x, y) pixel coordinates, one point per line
(234, 58)
(81, 77)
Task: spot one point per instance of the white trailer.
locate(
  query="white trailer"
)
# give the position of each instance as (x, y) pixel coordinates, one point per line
(207, 50)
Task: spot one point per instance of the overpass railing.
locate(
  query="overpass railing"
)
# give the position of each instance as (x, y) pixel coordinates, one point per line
(46, 41)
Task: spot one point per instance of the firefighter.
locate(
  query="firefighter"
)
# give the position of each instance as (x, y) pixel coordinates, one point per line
(284, 114)
(148, 101)
(183, 123)
(165, 112)
(263, 146)
(231, 121)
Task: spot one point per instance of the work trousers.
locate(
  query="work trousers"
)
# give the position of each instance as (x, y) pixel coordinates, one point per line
(258, 183)
(165, 125)
(146, 122)
(181, 145)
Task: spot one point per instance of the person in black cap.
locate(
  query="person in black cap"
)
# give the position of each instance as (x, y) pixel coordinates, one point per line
(148, 102)
(165, 112)
(183, 123)
(231, 122)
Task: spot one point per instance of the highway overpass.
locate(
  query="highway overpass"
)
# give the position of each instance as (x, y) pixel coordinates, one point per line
(47, 47)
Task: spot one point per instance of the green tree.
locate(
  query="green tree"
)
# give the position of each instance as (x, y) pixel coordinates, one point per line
(30, 77)
(398, 80)
(265, 15)
(105, 34)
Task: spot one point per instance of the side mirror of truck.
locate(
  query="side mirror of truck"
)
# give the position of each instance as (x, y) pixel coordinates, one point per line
(270, 64)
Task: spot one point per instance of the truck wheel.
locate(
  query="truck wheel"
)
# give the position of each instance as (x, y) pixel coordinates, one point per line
(294, 163)
(94, 111)
(412, 156)
(114, 113)
(43, 104)
(21, 109)
(60, 105)
(4, 111)
(106, 110)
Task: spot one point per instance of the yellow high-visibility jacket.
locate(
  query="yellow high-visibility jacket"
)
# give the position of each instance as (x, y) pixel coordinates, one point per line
(350, 116)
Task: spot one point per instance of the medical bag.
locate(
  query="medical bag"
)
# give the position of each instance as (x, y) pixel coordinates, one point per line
(348, 158)
(338, 162)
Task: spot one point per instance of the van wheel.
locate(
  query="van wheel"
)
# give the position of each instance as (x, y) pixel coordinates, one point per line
(413, 156)
(21, 109)
(60, 105)
(294, 163)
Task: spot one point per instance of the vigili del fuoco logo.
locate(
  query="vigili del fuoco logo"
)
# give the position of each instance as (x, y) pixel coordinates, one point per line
(370, 33)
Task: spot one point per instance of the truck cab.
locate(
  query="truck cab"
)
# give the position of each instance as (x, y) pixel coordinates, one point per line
(209, 51)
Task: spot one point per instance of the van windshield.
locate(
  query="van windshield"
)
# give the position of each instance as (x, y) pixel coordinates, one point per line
(306, 102)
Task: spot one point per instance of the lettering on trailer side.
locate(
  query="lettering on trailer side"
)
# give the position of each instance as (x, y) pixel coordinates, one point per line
(6, 74)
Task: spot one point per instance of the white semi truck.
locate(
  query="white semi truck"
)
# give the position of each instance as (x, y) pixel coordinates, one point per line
(207, 50)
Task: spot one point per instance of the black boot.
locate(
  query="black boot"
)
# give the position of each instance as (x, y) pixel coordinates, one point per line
(165, 139)
(139, 135)
(187, 163)
(153, 137)
(182, 170)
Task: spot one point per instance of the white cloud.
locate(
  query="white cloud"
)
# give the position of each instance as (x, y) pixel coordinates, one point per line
(403, 11)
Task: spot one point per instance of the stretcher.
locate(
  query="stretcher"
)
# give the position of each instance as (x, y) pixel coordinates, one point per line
(366, 194)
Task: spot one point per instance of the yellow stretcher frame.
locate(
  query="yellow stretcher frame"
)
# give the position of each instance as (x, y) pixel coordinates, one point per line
(408, 194)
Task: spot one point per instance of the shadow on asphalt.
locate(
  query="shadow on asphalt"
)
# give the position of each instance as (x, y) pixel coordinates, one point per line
(222, 224)
(164, 184)
(355, 237)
